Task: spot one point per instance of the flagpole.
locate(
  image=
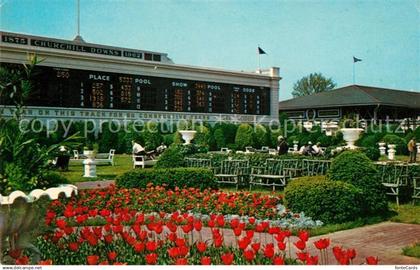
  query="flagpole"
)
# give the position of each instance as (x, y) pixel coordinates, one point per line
(259, 63)
(354, 72)
(78, 17)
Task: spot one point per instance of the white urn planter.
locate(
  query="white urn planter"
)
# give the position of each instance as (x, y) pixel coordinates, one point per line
(350, 135)
(295, 146)
(89, 164)
(391, 151)
(187, 135)
(382, 148)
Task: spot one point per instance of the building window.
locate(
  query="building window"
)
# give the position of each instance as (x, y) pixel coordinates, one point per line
(148, 56)
(157, 57)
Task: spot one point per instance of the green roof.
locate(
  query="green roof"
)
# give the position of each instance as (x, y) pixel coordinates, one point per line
(354, 95)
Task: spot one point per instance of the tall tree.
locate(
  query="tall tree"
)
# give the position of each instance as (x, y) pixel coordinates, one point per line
(311, 84)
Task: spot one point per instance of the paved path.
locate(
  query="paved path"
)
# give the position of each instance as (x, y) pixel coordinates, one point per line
(384, 240)
(94, 184)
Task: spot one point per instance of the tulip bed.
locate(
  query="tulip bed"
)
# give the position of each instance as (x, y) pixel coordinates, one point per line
(183, 226)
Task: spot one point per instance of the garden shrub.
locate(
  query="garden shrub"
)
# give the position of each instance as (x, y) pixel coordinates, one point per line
(174, 155)
(170, 178)
(372, 153)
(219, 138)
(202, 136)
(53, 179)
(357, 169)
(401, 144)
(260, 136)
(244, 136)
(326, 200)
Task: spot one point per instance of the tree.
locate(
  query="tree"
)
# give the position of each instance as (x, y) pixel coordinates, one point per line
(312, 84)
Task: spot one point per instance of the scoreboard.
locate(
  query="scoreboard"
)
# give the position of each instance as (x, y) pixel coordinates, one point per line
(75, 88)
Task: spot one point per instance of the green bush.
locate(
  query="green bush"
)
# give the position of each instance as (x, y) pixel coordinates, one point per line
(401, 144)
(53, 179)
(326, 200)
(244, 136)
(372, 153)
(357, 169)
(260, 136)
(174, 155)
(170, 178)
(219, 138)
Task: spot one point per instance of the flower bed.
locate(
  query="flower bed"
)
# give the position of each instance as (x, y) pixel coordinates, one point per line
(156, 226)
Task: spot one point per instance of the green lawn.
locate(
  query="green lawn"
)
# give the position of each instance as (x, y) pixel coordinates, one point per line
(123, 164)
(406, 213)
(413, 250)
(397, 158)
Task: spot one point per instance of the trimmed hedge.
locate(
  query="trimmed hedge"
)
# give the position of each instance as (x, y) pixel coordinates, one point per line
(170, 178)
(357, 169)
(326, 200)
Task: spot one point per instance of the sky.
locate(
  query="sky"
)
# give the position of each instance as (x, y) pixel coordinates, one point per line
(300, 37)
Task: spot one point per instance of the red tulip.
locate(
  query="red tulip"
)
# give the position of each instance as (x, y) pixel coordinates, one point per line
(181, 261)
(15, 253)
(249, 255)
(300, 244)
(311, 260)
(61, 223)
(211, 223)
(151, 258)
(281, 245)
(103, 263)
(24, 260)
(220, 220)
(322, 243)
(280, 236)
(180, 242)
(227, 258)
(237, 231)
(92, 259)
(251, 220)
(73, 246)
(259, 228)
(205, 260)
(201, 246)
(139, 247)
(372, 260)
(338, 253)
(351, 253)
(151, 246)
(173, 252)
(112, 255)
(46, 262)
(198, 225)
(218, 242)
(256, 246)
(303, 235)
(249, 234)
(302, 256)
(243, 243)
(344, 260)
(234, 223)
(269, 251)
(278, 260)
(108, 238)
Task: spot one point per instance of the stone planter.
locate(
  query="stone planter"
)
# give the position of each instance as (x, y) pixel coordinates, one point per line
(350, 135)
(187, 135)
(382, 148)
(391, 151)
(90, 154)
(20, 216)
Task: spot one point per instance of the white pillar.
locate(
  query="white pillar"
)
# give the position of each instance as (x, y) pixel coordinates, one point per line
(90, 167)
(391, 151)
(382, 148)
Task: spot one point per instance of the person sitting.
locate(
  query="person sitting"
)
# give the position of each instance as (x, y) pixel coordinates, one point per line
(282, 146)
(138, 149)
(304, 149)
(317, 151)
(161, 148)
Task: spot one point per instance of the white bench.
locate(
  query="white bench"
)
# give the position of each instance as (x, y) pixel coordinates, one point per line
(107, 158)
(140, 160)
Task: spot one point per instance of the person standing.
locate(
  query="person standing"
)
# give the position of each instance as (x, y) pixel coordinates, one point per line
(282, 146)
(412, 148)
(138, 149)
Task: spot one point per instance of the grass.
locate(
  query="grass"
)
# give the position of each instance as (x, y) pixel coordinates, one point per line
(413, 250)
(397, 158)
(123, 164)
(406, 213)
